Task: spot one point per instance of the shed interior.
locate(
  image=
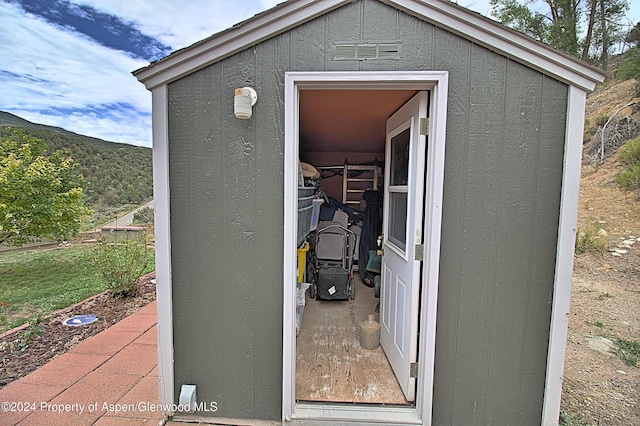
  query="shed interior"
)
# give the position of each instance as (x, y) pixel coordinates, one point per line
(338, 128)
(345, 126)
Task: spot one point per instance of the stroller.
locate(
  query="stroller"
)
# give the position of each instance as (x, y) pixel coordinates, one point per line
(331, 261)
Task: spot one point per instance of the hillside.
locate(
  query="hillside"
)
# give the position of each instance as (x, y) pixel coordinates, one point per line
(116, 174)
(599, 387)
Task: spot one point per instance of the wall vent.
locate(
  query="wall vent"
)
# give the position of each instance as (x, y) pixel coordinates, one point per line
(366, 51)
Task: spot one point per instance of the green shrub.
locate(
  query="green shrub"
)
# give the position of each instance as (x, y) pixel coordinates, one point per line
(630, 178)
(630, 66)
(121, 262)
(588, 239)
(144, 215)
(602, 118)
(628, 351)
(629, 155)
(567, 419)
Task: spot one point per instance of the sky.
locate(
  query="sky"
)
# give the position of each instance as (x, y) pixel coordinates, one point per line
(68, 63)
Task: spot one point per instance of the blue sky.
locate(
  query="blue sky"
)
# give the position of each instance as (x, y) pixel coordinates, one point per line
(68, 63)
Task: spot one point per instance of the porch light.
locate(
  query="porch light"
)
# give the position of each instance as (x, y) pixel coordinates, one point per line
(243, 100)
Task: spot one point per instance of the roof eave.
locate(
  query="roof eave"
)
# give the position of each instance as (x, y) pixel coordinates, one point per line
(503, 40)
(444, 14)
(237, 38)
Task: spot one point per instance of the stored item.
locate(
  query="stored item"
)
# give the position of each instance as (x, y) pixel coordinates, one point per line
(332, 262)
(302, 261)
(333, 283)
(305, 207)
(370, 333)
(315, 213)
(300, 303)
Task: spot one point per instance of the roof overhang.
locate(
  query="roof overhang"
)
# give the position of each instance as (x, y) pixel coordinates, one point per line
(441, 13)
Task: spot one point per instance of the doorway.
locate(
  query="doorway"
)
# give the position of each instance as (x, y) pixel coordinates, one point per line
(414, 355)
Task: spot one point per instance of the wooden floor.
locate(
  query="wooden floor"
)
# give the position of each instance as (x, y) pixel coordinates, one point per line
(331, 364)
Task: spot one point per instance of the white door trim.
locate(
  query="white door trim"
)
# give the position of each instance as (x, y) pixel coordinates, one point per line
(437, 82)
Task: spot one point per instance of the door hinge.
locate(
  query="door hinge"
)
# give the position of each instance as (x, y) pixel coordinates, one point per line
(424, 126)
(419, 252)
(413, 370)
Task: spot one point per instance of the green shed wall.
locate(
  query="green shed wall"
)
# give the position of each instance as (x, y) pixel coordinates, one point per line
(503, 172)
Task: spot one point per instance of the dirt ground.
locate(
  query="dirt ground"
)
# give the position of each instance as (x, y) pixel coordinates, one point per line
(599, 388)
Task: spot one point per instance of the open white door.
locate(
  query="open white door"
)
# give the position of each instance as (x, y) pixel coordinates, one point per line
(402, 230)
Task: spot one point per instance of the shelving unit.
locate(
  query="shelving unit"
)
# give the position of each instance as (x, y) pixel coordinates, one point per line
(366, 177)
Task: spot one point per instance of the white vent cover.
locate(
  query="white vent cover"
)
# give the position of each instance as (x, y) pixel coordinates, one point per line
(366, 51)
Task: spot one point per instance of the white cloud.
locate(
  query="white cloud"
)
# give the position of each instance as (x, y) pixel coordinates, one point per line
(54, 75)
(59, 77)
(179, 24)
(52, 69)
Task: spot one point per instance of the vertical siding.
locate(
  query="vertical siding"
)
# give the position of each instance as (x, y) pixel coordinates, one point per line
(273, 56)
(505, 133)
(501, 204)
(195, 170)
(238, 284)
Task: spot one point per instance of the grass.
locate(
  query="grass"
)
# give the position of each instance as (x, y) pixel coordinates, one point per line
(567, 419)
(628, 351)
(35, 283)
(589, 240)
(629, 155)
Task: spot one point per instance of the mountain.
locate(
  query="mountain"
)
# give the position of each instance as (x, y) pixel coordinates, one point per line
(115, 173)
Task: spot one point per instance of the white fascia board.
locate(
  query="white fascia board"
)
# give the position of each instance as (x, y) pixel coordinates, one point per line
(248, 33)
(502, 40)
(449, 16)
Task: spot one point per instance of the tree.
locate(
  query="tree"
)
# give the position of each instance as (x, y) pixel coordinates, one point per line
(630, 65)
(558, 23)
(604, 30)
(40, 195)
(557, 27)
(634, 35)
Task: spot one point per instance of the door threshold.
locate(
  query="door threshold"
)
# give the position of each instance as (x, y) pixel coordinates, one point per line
(338, 414)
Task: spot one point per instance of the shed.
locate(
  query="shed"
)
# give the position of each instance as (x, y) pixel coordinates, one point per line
(478, 129)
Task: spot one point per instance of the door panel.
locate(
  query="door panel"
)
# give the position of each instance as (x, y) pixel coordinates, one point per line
(402, 228)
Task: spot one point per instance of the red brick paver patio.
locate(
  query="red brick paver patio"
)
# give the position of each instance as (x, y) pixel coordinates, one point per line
(109, 379)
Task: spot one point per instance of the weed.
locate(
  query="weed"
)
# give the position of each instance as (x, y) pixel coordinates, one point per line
(588, 239)
(602, 118)
(598, 324)
(629, 155)
(589, 129)
(603, 296)
(33, 330)
(121, 263)
(629, 179)
(567, 419)
(3, 317)
(628, 351)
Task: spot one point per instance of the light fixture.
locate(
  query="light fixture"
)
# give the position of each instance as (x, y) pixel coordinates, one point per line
(243, 100)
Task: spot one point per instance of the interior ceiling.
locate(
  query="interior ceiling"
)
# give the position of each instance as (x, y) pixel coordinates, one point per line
(347, 120)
